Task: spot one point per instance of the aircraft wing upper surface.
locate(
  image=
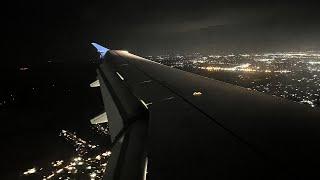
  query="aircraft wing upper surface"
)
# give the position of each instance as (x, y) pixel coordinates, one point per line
(178, 125)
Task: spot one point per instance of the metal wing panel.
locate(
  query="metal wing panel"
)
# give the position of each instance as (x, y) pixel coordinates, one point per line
(186, 144)
(138, 82)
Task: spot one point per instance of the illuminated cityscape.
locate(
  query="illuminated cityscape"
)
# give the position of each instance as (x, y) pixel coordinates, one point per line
(291, 75)
(89, 162)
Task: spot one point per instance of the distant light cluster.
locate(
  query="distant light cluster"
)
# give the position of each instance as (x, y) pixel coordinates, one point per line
(291, 75)
(80, 145)
(89, 162)
(100, 129)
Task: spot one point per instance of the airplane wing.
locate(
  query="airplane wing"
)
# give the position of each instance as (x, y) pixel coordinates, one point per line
(166, 123)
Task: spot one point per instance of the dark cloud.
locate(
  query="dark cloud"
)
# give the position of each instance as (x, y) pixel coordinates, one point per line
(37, 31)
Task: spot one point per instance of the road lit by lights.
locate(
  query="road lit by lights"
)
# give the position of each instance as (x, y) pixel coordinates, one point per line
(23, 68)
(237, 68)
(30, 171)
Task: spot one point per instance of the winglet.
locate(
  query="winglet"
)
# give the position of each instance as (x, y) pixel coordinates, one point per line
(100, 49)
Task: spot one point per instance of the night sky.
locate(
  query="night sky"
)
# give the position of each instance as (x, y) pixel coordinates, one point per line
(38, 31)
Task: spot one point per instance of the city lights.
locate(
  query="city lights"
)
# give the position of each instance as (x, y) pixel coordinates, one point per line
(89, 160)
(291, 75)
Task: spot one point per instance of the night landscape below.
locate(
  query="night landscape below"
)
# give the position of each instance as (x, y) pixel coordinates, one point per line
(73, 148)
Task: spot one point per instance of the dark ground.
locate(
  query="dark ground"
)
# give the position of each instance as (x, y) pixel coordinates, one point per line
(45, 99)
